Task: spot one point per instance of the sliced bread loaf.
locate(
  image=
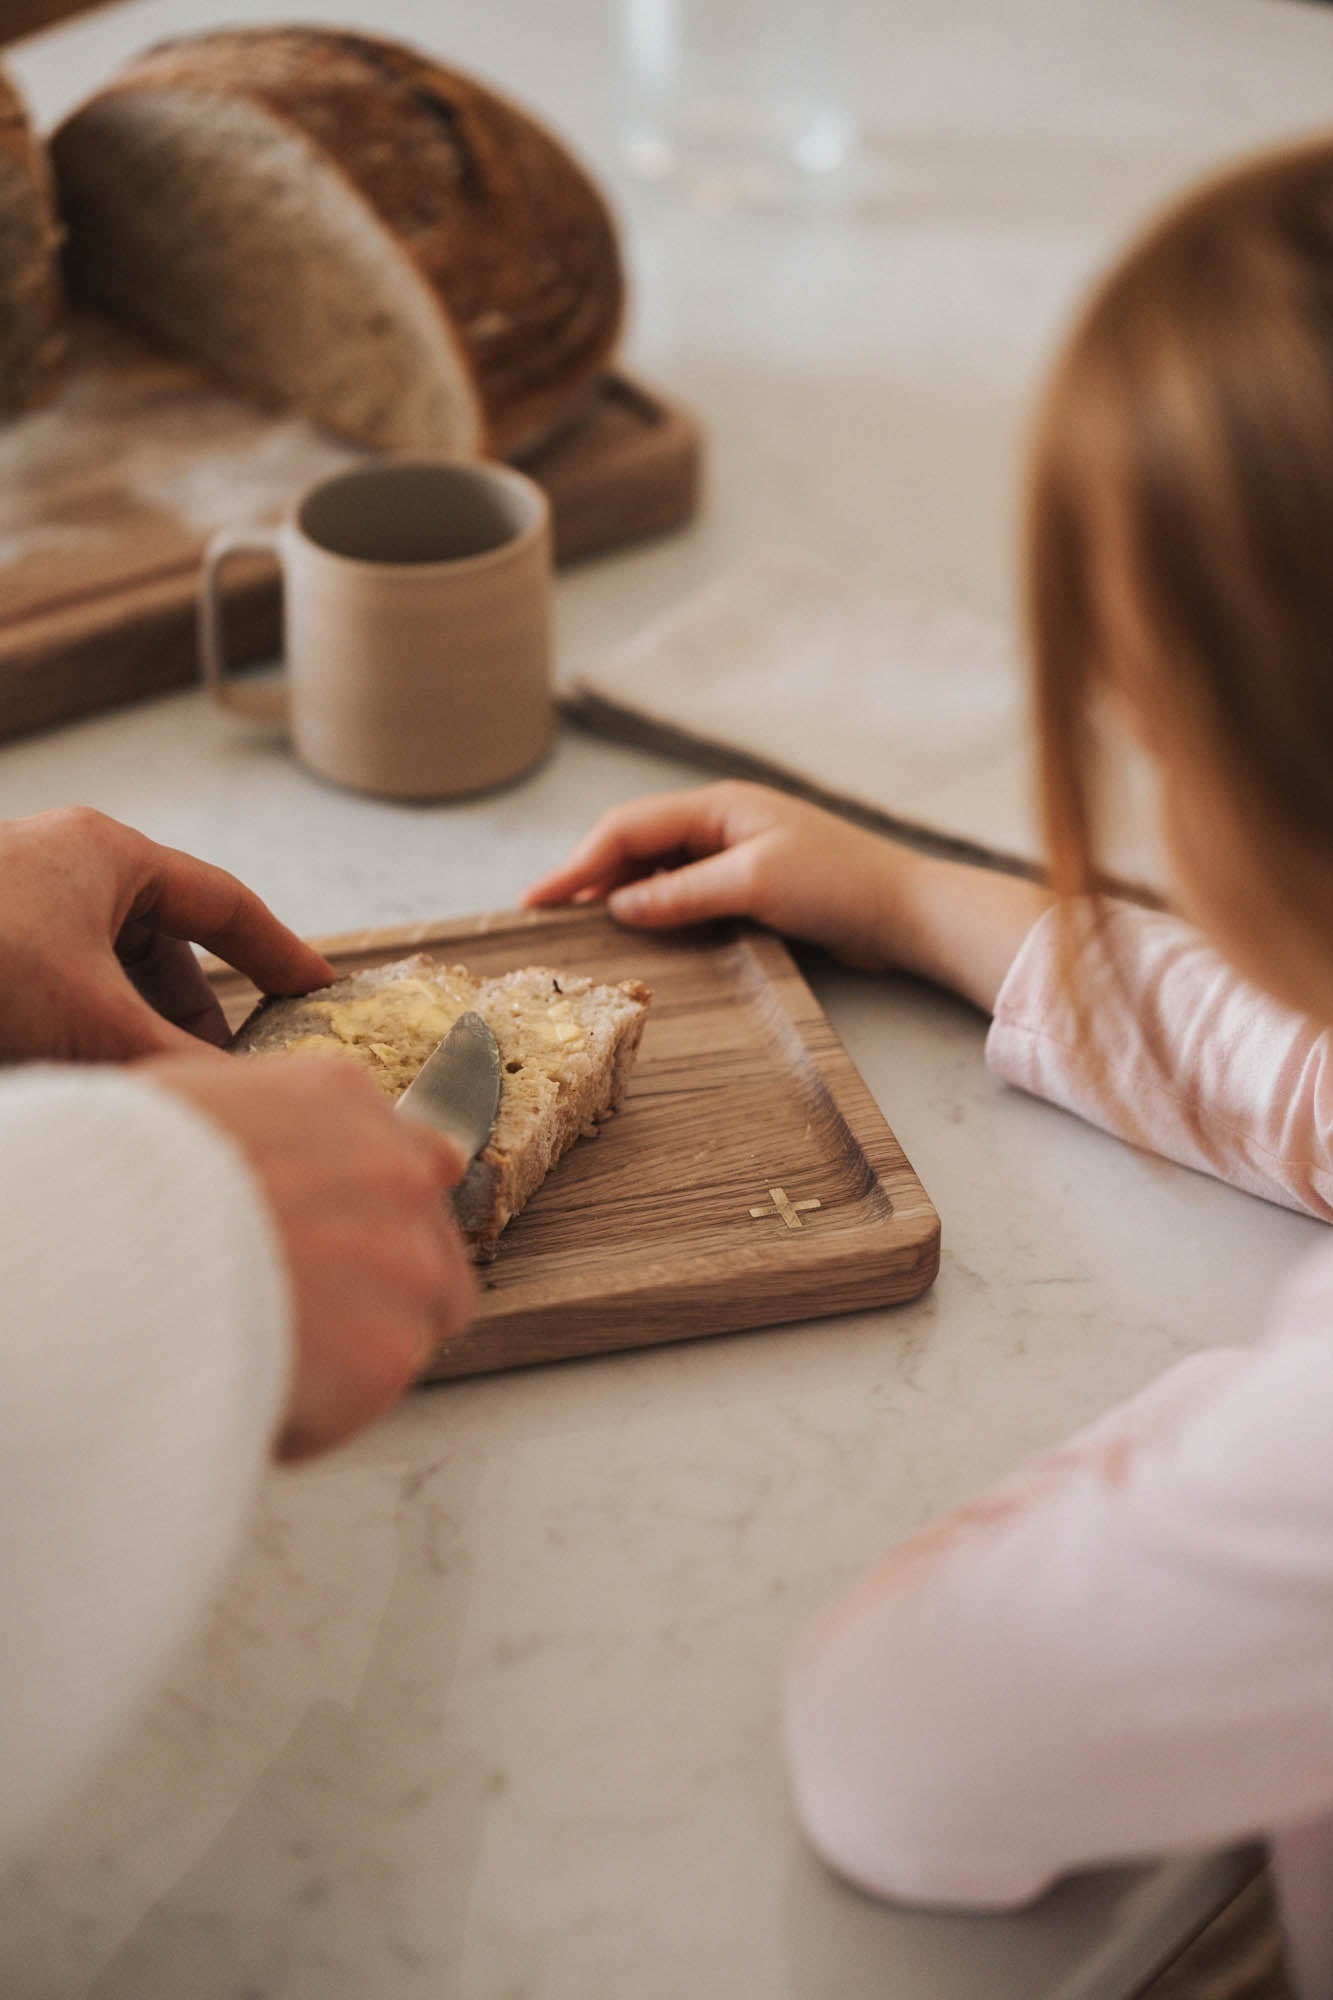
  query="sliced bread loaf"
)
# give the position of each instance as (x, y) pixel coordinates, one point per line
(29, 294)
(566, 1043)
(341, 224)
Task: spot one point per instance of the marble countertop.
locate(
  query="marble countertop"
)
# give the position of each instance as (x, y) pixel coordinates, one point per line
(489, 1707)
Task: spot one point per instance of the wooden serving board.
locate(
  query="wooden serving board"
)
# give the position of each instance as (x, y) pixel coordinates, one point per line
(108, 494)
(743, 1099)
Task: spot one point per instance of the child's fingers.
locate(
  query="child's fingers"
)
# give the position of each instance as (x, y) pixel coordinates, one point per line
(630, 836)
(597, 892)
(571, 883)
(722, 885)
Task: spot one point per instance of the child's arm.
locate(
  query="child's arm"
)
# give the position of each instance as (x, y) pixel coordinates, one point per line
(1172, 1049)
(1185, 1057)
(1124, 1649)
(739, 850)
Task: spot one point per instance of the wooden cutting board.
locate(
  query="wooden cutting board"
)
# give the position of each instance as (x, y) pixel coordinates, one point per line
(749, 1178)
(108, 494)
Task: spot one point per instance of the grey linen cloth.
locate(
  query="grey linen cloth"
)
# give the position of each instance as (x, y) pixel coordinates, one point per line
(914, 716)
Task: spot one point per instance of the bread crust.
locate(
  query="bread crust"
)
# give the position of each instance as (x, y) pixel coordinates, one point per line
(515, 244)
(30, 341)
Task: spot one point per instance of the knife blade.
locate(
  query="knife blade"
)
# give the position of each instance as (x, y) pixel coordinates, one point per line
(457, 1089)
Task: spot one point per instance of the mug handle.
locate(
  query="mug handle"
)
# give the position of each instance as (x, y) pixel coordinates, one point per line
(266, 703)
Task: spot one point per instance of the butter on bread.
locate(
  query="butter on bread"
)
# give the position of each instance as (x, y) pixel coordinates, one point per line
(567, 1045)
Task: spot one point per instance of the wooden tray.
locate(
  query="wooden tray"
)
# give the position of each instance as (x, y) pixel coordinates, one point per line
(107, 497)
(749, 1177)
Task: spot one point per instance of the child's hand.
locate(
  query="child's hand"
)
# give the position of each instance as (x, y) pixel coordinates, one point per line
(736, 850)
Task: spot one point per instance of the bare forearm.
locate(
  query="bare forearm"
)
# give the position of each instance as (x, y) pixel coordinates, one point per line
(957, 925)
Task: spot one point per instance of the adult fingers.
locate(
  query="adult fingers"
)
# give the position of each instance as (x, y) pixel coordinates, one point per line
(119, 1025)
(165, 972)
(455, 1298)
(355, 1367)
(188, 898)
(720, 886)
(394, 1305)
(442, 1155)
(632, 836)
(456, 1301)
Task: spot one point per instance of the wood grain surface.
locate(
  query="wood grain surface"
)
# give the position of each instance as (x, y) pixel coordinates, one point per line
(646, 1234)
(108, 493)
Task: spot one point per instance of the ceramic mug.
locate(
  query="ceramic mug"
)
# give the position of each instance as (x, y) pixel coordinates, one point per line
(417, 621)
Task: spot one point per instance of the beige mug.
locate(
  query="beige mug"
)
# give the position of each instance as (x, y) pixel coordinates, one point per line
(417, 622)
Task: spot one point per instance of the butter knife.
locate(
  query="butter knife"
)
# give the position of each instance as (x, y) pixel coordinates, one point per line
(457, 1090)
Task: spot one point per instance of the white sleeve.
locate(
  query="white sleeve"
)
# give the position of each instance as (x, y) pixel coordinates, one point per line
(1125, 1649)
(143, 1362)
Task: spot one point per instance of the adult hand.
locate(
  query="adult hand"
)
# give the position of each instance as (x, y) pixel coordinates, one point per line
(377, 1269)
(95, 929)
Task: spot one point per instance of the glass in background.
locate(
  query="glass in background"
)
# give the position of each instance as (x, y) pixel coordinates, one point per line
(736, 103)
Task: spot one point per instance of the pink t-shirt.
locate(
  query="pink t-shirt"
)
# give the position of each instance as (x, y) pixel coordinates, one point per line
(1128, 1646)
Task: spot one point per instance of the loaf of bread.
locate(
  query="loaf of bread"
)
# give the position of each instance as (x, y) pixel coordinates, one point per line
(341, 225)
(29, 292)
(567, 1046)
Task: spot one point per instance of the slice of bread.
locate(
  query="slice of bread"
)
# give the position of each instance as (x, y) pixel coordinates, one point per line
(567, 1046)
(29, 292)
(341, 224)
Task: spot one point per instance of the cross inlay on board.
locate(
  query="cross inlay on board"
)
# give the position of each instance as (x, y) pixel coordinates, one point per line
(790, 1211)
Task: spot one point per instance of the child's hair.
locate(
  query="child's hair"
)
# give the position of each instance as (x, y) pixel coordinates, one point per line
(1183, 469)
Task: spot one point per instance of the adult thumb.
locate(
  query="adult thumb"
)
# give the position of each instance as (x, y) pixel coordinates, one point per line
(119, 1026)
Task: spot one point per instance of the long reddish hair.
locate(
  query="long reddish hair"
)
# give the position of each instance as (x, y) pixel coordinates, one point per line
(1183, 467)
